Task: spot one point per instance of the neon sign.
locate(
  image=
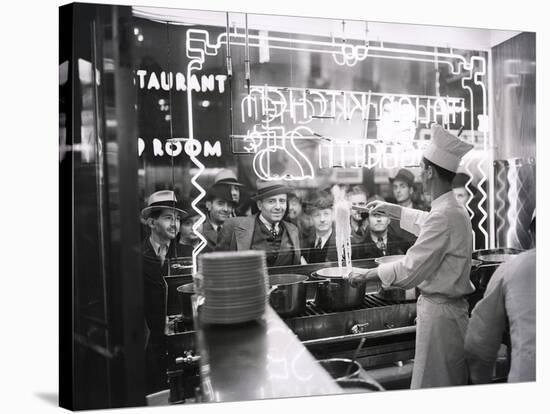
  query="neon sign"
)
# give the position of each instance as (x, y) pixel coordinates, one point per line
(177, 146)
(165, 81)
(304, 105)
(397, 116)
(278, 143)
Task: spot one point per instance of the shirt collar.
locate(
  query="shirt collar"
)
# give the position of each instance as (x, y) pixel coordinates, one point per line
(375, 238)
(268, 224)
(214, 225)
(156, 245)
(443, 199)
(324, 238)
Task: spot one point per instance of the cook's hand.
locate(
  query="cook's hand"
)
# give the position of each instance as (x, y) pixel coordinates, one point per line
(391, 210)
(355, 278)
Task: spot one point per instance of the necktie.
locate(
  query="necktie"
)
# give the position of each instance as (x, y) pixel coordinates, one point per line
(274, 231)
(319, 243)
(381, 245)
(163, 249)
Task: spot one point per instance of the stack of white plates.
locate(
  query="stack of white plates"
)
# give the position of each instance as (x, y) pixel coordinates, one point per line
(235, 286)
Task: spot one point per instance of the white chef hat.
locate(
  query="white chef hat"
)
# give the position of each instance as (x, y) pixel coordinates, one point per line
(445, 150)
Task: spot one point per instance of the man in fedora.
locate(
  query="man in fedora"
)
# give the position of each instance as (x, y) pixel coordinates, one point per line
(266, 230)
(438, 263)
(228, 178)
(162, 216)
(220, 206)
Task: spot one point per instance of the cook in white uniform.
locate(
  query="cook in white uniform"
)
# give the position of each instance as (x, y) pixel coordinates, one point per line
(510, 296)
(438, 264)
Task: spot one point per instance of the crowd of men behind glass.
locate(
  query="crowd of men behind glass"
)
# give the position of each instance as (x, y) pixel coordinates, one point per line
(293, 227)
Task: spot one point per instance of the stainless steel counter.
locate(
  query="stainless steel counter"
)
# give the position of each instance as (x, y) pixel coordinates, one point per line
(257, 360)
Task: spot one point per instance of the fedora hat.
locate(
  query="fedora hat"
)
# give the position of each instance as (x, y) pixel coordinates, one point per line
(160, 200)
(405, 176)
(226, 176)
(269, 188)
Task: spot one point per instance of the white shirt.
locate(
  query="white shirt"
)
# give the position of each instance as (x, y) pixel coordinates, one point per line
(510, 295)
(324, 239)
(160, 249)
(440, 260)
(374, 238)
(268, 224)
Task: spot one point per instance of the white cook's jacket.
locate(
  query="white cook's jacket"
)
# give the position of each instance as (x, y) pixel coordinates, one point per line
(510, 295)
(440, 261)
(439, 265)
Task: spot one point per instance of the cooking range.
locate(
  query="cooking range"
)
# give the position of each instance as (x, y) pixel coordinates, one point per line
(386, 320)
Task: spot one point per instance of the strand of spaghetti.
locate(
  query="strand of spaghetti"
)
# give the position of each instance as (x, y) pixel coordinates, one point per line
(343, 230)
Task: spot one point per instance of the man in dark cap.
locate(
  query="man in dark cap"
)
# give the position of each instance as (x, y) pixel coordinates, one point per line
(265, 230)
(380, 239)
(220, 207)
(403, 188)
(320, 246)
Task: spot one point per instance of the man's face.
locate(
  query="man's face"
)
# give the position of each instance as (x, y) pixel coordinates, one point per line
(401, 191)
(273, 208)
(359, 200)
(322, 219)
(378, 223)
(461, 195)
(235, 193)
(294, 208)
(166, 226)
(186, 228)
(220, 210)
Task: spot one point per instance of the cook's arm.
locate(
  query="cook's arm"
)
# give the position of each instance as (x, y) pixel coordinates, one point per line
(422, 259)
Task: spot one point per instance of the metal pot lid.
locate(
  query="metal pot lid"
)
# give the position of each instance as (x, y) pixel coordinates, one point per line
(499, 255)
(335, 272)
(286, 279)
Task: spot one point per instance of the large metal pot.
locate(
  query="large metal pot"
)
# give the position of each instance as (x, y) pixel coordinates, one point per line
(338, 368)
(337, 293)
(356, 385)
(185, 292)
(486, 262)
(288, 294)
